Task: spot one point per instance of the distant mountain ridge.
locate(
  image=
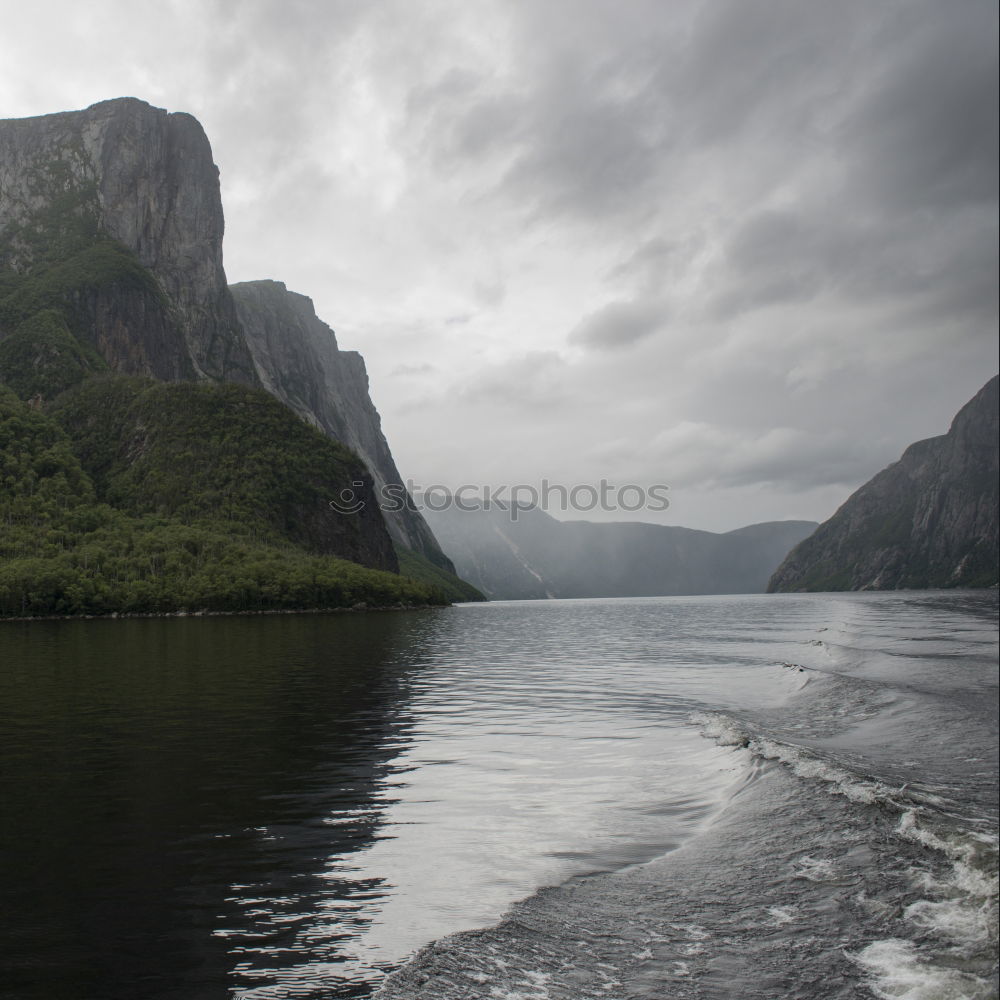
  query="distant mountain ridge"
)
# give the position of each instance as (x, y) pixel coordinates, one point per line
(535, 556)
(928, 520)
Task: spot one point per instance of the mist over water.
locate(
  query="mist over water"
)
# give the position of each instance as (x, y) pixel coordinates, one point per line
(294, 806)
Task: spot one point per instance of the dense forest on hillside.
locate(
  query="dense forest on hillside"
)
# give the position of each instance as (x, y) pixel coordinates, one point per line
(131, 496)
(190, 490)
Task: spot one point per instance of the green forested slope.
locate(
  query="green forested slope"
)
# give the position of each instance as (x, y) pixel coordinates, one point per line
(419, 567)
(225, 454)
(161, 545)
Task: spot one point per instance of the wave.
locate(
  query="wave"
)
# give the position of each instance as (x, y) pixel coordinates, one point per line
(954, 920)
(858, 839)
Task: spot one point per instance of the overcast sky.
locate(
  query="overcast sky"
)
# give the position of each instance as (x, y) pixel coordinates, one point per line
(743, 248)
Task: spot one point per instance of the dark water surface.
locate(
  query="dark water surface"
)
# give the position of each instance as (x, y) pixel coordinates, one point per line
(292, 806)
(151, 766)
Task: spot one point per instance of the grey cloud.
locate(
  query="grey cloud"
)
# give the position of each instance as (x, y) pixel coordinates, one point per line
(619, 325)
(460, 117)
(656, 263)
(834, 164)
(783, 458)
(414, 371)
(574, 127)
(649, 259)
(769, 238)
(783, 258)
(809, 462)
(490, 292)
(900, 107)
(745, 64)
(596, 156)
(533, 380)
(611, 136)
(774, 257)
(970, 294)
(924, 134)
(908, 215)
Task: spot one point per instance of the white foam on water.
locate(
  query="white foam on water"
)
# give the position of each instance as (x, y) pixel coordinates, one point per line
(839, 781)
(725, 731)
(897, 972)
(962, 846)
(824, 871)
(815, 869)
(781, 915)
(535, 982)
(960, 906)
(964, 909)
(694, 932)
(501, 993)
(960, 920)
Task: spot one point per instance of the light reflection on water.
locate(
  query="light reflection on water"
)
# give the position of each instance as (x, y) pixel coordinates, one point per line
(287, 806)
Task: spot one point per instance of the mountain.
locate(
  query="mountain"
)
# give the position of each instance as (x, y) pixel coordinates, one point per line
(928, 520)
(523, 553)
(298, 360)
(111, 275)
(113, 216)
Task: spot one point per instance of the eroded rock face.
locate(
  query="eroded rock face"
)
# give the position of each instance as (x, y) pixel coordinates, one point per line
(112, 217)
(928, 520)
(298, 360)
(124, 173)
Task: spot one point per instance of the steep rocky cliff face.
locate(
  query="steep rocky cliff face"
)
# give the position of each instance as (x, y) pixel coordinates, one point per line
(111, 231)
(298, 360)
(928, 520)
(532, 555)
(113, 216)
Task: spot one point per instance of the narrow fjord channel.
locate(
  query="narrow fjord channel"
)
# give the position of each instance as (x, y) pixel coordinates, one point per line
(681, 797)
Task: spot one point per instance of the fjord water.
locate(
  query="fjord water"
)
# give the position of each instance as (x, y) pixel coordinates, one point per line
(760, 796)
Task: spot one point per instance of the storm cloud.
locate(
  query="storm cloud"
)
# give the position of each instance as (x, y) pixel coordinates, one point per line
(747, 248)
(619, 324)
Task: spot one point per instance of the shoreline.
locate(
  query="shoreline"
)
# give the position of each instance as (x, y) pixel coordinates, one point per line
(360, 608)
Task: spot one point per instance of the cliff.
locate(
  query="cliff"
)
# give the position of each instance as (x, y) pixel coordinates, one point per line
(928, 520)
(113, 217)
(111, 230)
(536, 556)
(298, 360)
